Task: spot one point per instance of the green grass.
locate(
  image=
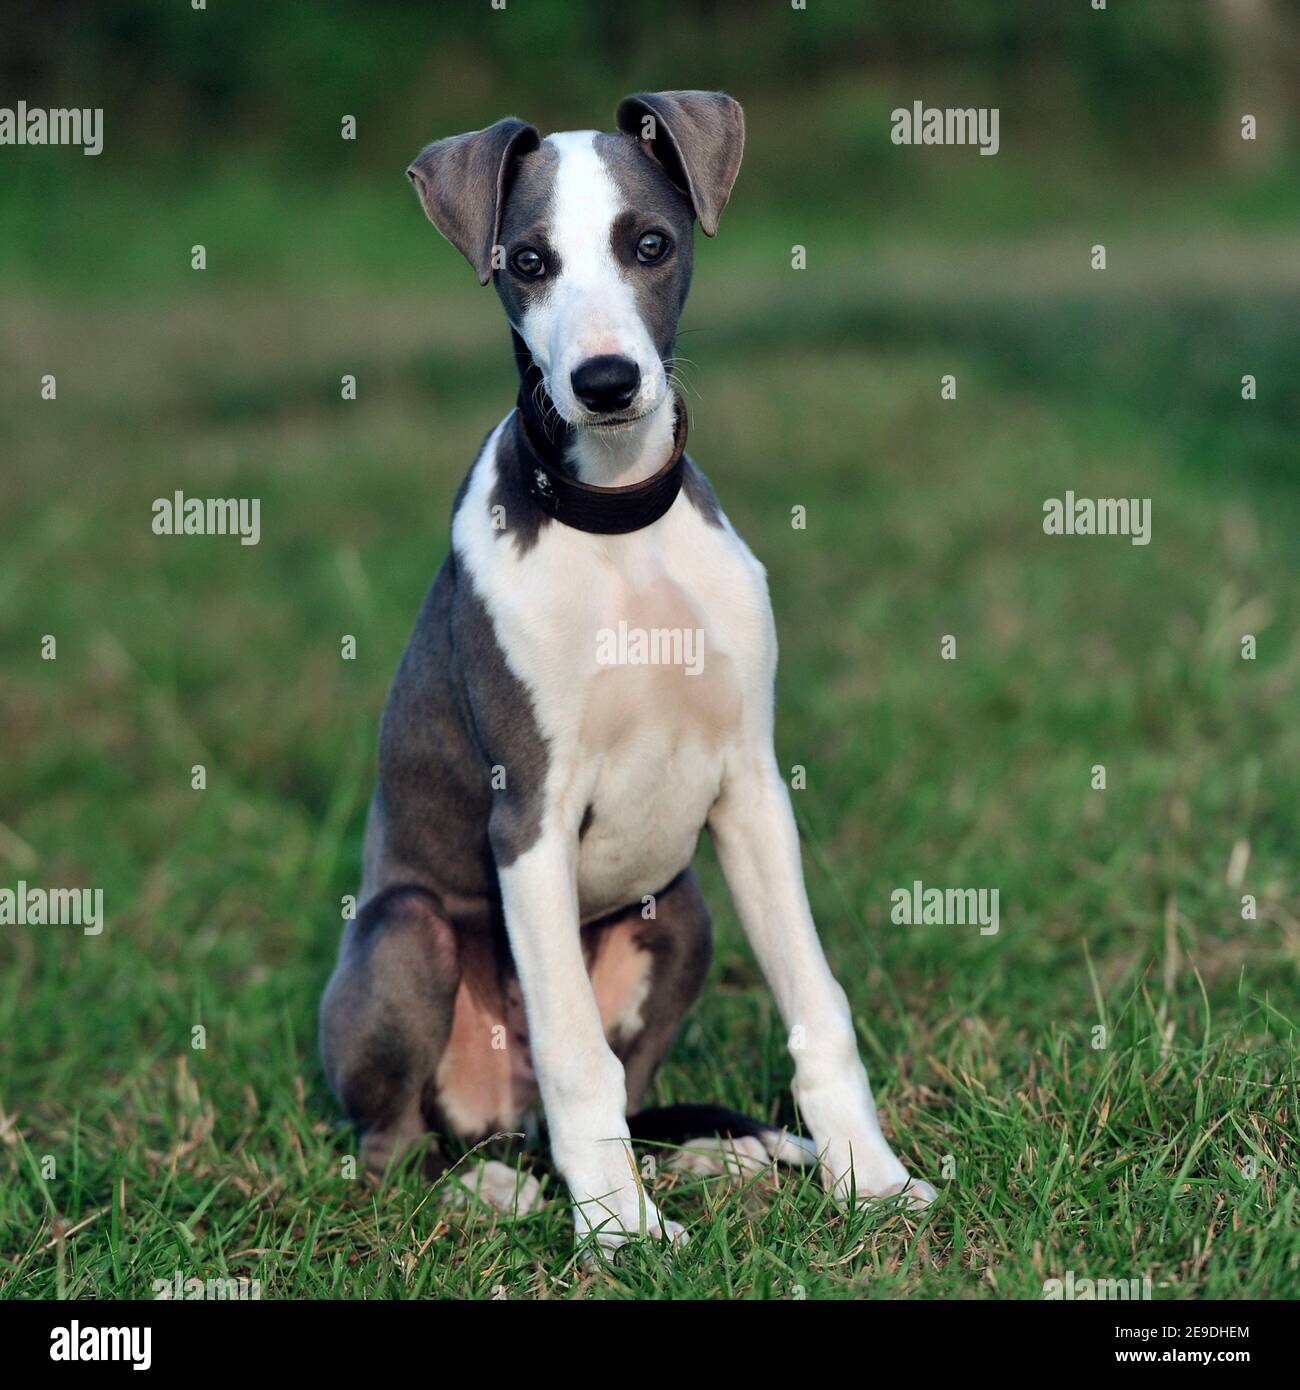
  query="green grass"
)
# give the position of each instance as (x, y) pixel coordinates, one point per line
(1120, 908)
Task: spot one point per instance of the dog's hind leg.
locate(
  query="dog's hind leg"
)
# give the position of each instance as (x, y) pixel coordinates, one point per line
(385, 1019)
(646, 970)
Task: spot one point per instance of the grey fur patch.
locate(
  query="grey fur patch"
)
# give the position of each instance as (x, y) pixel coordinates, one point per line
(523, 518)
(650, 202)
(698, 137)
(434, 792)
(526, 221)
(701, 495)
(386, 1015)
(463, 183)
(505, 727)
(455, 712)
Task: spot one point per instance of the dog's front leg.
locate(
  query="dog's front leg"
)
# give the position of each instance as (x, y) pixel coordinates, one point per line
(581, 1081)
(758, 845)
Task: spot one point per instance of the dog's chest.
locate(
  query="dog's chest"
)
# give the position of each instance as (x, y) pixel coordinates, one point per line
(659, 709)
(646, 662)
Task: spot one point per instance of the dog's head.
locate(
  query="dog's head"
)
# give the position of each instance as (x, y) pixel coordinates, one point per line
(588, 238)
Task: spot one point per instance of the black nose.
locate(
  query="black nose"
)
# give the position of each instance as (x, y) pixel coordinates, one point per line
(606, 383)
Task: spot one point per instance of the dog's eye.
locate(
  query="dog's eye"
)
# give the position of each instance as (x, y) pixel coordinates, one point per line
(528, 263)
(652, 247)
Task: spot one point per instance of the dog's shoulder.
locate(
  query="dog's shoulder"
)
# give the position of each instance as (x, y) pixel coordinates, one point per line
(493, 505)
(699, 492)
(720, 535)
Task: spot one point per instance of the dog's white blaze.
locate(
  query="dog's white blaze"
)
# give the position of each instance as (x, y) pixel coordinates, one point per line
(590, 309)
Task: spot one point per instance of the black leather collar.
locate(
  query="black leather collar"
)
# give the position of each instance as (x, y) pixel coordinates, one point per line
(607, 511)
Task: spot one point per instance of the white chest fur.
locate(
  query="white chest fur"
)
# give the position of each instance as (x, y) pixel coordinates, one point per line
(646, 657)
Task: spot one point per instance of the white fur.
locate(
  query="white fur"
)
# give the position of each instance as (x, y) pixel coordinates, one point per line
(511, 1192)
(589, 311)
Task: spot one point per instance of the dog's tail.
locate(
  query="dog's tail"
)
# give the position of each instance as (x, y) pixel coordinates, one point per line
(701, 1128)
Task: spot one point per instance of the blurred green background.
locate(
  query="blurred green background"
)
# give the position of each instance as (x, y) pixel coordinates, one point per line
(1170, 1151)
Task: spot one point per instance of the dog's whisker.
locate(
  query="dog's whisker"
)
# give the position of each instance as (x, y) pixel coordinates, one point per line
(683, 386)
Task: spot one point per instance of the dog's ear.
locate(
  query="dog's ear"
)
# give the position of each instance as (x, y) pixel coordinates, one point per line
(462, 182)
(698, 138)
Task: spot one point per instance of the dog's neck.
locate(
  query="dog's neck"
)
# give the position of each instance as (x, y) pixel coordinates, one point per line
(601, 458)
(620, 458)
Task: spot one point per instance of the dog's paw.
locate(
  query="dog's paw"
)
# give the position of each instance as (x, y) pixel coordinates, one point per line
(919, 1194)
(611, 1205)
(621, 1214)
(742, 1157)
(613, 1220)
(668, 1233)
(509, 1191)
(736, 1159)
(870, 1173)
(609, 1235)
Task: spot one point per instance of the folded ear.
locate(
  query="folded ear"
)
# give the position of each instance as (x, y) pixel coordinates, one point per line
(698, 138)
(462, 182)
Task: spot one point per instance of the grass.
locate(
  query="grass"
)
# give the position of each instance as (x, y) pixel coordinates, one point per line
(1167, 1152)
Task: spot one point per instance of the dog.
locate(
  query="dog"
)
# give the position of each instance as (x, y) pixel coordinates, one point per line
(529, 926)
